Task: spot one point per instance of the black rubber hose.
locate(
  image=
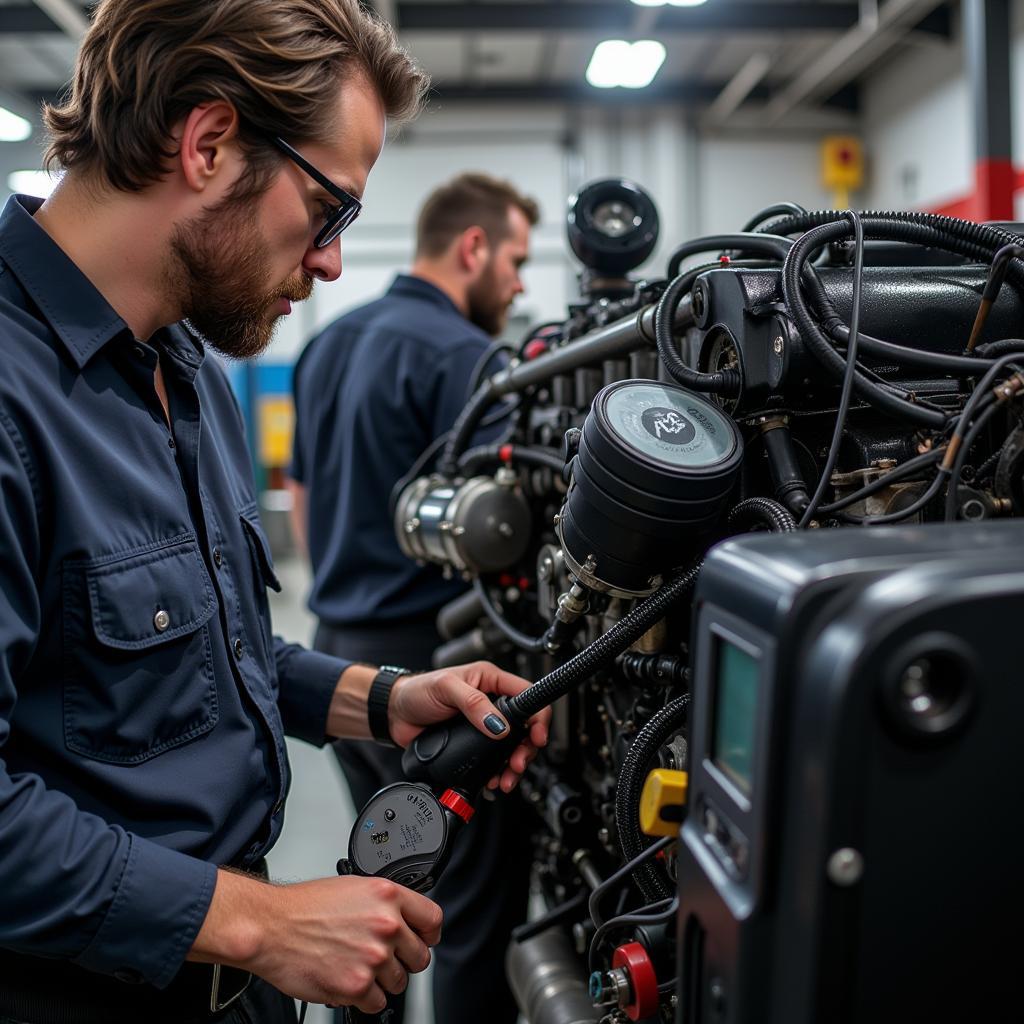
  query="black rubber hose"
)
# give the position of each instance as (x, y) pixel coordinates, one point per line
(833, 325)
(723, 382)
(605, 648)
(642, 751)
(520, 639)
(758, 242)
(775, 210)
(994, 349)
(820, 346)
(987, 235)
(464, 428)
(762, 512)
(529, 456)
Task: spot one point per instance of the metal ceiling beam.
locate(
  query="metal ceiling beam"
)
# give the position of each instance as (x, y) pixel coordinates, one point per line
(852, 53)
(616, 16)
(551, 92)
(66, 14)
(25, 19)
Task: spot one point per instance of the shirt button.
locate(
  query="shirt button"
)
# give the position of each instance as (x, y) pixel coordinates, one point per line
(218, 558)
(161, 620)
(170, 443)
(238, 649)
(140, 352)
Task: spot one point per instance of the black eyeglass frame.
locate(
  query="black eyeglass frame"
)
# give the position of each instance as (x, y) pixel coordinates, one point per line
(348, 206)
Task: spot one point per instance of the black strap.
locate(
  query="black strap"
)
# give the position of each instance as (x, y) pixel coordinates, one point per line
(377, 702)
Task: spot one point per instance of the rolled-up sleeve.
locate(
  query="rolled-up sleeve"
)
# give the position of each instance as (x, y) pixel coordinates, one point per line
(75, 887)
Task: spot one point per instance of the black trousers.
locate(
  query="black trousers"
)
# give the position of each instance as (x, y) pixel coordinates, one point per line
(485, 888)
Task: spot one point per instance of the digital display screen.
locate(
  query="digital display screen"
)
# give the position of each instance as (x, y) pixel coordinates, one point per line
(735, 714)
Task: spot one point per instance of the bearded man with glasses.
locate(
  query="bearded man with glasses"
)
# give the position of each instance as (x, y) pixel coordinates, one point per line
(213, 153)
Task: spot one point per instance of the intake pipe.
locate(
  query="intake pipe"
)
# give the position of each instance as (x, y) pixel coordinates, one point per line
(547, 979)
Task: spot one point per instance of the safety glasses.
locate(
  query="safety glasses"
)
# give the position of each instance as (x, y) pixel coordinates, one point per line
(342, 215)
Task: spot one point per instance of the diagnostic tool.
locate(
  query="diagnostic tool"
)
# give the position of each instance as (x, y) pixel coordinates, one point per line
(849, 847)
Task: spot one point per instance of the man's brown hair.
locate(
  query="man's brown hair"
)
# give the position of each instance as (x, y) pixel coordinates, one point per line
(145, 64)
(470, 200)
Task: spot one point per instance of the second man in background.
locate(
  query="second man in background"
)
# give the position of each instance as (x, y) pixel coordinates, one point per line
(372, 392)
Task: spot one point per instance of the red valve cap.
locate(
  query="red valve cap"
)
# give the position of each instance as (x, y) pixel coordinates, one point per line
(643, 981)
(458, 804)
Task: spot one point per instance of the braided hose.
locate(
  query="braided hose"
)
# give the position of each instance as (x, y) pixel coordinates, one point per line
(762, 511)
(642, 751)
(604, 649)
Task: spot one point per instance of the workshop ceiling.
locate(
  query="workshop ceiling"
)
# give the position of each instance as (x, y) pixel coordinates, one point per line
(775, 56)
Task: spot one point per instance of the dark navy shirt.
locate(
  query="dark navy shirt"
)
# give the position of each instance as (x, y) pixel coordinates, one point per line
(143, 699)
(371, 393)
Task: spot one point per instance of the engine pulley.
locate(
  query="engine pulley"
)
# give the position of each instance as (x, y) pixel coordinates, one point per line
(654, 467)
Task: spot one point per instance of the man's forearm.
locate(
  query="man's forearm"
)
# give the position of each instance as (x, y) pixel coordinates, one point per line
(233, 931)
(346, 718)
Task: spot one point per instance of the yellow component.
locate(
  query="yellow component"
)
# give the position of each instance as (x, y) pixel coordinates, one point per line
(276, 427)
(662, 802)
(842, 166)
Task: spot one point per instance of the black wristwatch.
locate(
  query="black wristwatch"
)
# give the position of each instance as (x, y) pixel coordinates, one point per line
(377, 701)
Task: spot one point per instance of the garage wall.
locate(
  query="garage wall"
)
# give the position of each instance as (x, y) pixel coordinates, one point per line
(918, 123)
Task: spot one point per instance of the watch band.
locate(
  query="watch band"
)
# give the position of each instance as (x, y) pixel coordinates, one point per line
(377, 701)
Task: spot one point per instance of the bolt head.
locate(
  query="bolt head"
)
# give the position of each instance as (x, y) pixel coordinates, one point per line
(845, 866)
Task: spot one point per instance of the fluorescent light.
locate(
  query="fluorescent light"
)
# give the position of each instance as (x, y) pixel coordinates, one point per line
(670, 3)
(12, 127)
(33, 183)
(629, 65)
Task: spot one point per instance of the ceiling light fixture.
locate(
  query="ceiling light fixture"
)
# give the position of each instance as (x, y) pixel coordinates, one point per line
(33, 183)
(616, 63)
(670, 3)
(12, 127)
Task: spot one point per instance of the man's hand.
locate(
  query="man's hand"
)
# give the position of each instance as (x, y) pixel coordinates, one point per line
(345, 941)
(421, 700)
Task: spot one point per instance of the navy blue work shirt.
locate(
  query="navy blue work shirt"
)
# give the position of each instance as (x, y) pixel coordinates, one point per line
(143, 699)
(372, 391)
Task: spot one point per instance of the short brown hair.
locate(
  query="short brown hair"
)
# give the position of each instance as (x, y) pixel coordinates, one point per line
(145, 64)
(470, 200)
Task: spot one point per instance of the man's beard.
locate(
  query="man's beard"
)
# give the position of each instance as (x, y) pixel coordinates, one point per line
(485, 308)
(220, 270)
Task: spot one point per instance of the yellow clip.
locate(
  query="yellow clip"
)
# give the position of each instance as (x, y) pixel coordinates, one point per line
(662, 802)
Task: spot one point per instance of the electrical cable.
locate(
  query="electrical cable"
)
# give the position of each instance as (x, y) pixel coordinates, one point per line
(622, 874)
(820, 346)
(743, 242)
(901, 472)
(666, 910)
(495, 348)
(520, 639)
(949, 513)
(427, 455)
(851, 366)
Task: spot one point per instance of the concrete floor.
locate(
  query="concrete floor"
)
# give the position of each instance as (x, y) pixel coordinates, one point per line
(319, 813)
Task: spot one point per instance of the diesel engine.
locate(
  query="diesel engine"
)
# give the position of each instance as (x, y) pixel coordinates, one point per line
(813, 372)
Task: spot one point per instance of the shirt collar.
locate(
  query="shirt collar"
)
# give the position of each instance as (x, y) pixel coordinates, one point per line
(78, 314)
(408, 284)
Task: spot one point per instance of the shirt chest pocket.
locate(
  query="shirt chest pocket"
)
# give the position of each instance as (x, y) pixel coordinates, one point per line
(138, 663)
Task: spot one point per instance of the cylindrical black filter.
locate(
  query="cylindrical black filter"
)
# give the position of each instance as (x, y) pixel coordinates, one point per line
(655, 465)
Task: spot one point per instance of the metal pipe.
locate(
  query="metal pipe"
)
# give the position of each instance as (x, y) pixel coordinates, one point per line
(611, 342)
(66, 16)
(546, 978)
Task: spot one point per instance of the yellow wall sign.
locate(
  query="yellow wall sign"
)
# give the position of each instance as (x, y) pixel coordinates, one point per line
(276, 427)
(842, 162)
